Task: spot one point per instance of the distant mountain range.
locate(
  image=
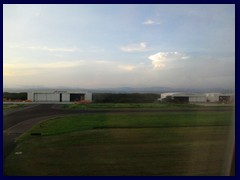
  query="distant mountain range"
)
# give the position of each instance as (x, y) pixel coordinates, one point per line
(156, 90)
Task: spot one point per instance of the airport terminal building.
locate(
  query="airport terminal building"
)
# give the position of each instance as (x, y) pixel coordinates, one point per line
(59, 96)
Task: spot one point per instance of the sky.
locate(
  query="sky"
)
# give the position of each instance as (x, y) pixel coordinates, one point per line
(108, 46)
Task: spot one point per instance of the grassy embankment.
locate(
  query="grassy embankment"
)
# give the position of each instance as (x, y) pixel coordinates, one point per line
(167, 143)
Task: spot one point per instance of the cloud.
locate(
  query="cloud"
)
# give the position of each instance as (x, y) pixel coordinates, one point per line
(58, 55)
(160, 59)
(7, 73)
(127, 67)
(158, 64)
(37, 14)
(62, 64)
(95, 50)
(185, 57)
(135, 47)
(150, 22)
(14, 46)
(102, 62)
(54, 65)
(45, 48)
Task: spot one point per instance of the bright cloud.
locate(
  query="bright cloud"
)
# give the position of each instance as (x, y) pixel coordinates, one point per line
(37, 14)
(150, 22)
(158, 64)
(135, 47)
(160, 59)
(103, 62)
(126, 67)
(60, 64)
(185, 57)
(45, 48)
(7, 73)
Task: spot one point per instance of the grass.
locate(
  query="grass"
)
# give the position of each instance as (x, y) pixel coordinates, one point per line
(133, 120)
(9, 107)
(132, 106)
(167, 143)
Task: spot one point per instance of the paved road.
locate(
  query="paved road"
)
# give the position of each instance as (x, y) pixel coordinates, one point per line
(19, 121)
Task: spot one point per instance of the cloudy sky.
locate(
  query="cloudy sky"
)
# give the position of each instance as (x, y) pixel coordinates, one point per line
(97, 46)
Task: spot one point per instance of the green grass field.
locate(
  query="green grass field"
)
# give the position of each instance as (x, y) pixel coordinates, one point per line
(10, 107)
(128, 106)
(122, 106)
(166, 143)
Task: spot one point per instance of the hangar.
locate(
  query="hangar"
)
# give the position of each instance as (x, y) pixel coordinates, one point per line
(219, 97)
(59, 96)
(197, 97)
(184, 97)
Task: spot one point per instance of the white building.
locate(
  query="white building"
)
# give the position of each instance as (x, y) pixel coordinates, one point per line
(198, 98)
(59, 96)
(212, 97)
(220, 97)
(184, 97)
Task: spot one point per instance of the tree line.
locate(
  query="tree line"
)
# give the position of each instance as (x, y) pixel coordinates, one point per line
(124, 98)
(15, 96)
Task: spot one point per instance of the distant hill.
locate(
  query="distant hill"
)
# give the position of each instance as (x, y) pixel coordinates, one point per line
(162, 90)
(156, 90)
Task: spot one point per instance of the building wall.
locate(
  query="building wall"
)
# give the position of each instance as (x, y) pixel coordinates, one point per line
(46, 97)
(54, 96)
(193, 97)
(197, 99)
(30, 96)
(213, 97)
(65, 97)
(164, 95)
(88, 96)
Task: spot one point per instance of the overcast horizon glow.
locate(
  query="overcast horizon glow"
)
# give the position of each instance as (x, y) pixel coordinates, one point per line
(100, 46)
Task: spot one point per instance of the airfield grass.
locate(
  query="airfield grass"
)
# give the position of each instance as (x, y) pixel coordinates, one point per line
(9, 107)
(156, 105)
(129, 106)
(166, 143)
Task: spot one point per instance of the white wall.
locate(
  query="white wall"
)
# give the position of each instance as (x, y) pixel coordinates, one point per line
(65, 97)
(46, 97)
(54, 96)
(197, 99)
(164, 95)
(30, 96)
(88, 96)
(213, 97)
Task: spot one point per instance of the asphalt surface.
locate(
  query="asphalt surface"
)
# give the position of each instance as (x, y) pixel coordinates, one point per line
(17, 122)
